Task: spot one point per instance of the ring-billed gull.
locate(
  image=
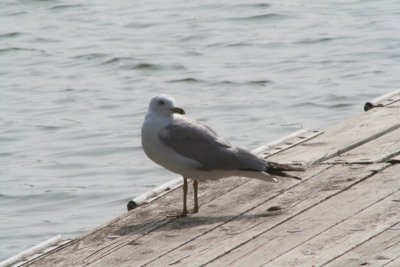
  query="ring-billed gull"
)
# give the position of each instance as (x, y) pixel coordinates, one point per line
(193, 150)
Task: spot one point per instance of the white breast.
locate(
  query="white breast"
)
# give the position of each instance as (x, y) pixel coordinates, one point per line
(159, 152)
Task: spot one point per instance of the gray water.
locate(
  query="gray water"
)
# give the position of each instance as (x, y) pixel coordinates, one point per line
(76, 77)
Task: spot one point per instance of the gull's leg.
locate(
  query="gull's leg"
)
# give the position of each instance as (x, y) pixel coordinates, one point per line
(184, 210)
(195, 190)
(185, 189)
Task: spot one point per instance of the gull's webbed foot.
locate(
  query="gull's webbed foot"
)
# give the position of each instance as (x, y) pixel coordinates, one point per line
(195, 210)
(178, 215)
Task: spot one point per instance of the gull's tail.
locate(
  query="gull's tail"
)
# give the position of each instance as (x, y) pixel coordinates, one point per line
(277, 169)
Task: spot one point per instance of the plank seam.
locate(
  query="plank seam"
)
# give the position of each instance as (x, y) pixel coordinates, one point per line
(370, 238)
(291, 217)
(300, 135)
(337, 223)
(394, 161)
(392, 260)
(262, 149)
(395, 244)
(117, 245)
(357, 144)
(386, 159)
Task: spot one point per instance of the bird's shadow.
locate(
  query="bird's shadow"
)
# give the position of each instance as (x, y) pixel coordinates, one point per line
(192, 221)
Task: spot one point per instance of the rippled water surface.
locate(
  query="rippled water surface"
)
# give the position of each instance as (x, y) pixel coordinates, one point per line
(76, 77)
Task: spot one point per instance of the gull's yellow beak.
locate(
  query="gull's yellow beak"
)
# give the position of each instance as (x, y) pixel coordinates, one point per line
(178, 110)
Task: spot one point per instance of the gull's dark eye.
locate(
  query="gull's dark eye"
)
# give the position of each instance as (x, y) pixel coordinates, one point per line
(161, 102)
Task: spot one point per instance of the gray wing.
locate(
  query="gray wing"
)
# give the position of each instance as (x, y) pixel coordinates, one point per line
(197, 141)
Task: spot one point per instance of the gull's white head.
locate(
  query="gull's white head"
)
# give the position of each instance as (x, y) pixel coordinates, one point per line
(164, 105)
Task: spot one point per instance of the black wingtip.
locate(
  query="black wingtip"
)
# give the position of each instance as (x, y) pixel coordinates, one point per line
(283, 174)
(273, 166)
(297, 169)
(278, 169)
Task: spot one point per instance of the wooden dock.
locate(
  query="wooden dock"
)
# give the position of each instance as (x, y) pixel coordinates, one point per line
(345, 211)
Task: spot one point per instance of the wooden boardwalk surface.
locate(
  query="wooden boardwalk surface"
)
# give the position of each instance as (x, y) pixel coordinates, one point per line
(345, 211)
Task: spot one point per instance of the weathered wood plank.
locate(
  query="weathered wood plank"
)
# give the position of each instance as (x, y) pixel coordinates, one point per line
(376, 251)
(287, 142)
(213, 215)
(193, 244)
(394, 263)
(378, 150)
(343, 137)
(314, 221)
(129, 226)
(344, 236)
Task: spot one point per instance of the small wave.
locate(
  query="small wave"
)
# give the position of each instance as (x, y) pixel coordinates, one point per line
(341, 105)
(254, 82)
(239, 44)
(316, 41)
(49, 127)
(117, 59)
(153, 67)
(146, 66)
(223, 82)
(234, 44)
(17, 13)
(102, 151)
(44, 40)
(91, 56)
(68, 89)
(336, 61)
(325, 106)
(193, 37)
(130, 63)
(138, 25)
(186, 80)
(255, 5)
(108, 106)
(66, 166)
(25, 203)
(334, 98)
(10, 34)
(260, 82)
(60, 7)
(5, 139)
(269, 16)
(17, 49)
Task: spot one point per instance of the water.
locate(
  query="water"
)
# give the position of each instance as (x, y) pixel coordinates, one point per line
(76, 77)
